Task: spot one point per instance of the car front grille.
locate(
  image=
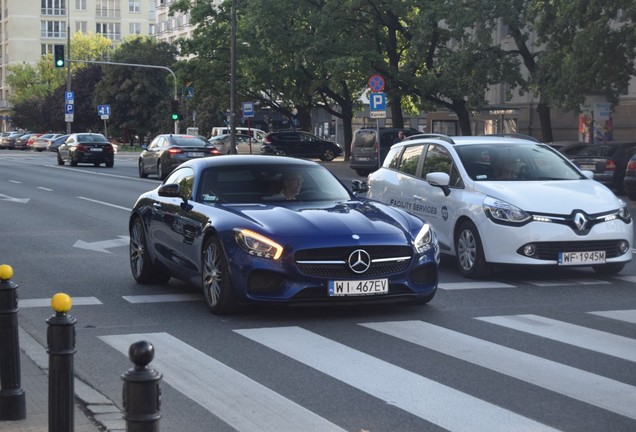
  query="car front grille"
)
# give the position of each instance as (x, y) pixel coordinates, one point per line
(333, 262)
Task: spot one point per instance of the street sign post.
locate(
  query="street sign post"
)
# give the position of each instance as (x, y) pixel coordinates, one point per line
(377, 105)
(104, 112)
(248, 109)
(376, 83)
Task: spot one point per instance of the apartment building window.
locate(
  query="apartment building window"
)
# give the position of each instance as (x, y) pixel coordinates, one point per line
(80, 5)
(46, 49)
(81, 26)
(110, 30)
(152, 29)
(53, 29)
(53, 7)
(108, 9)
(134, 6)
(135, 28)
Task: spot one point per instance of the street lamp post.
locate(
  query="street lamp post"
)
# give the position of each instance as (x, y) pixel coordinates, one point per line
(233, 80)
(68, 56)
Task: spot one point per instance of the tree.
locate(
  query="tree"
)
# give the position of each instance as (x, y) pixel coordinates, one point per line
(581, 49)
(139, 97)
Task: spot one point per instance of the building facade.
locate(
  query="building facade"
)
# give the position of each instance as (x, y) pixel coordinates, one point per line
(20, 42)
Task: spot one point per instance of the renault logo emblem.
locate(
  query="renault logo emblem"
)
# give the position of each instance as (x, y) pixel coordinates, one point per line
(580, 221)
(359, 261)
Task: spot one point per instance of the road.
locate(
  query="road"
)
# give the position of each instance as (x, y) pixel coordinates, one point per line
(528, 350)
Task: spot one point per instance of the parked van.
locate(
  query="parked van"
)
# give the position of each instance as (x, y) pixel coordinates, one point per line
(366, 147)
(257, 134)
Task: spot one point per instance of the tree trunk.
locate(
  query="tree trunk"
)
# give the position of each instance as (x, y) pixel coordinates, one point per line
(397, 117)
(546, 122)
(463, 117)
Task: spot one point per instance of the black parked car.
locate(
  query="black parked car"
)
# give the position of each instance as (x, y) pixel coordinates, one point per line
(86, 148)
(366, 147)
(300, 144)
(167, 151)
(608, 162)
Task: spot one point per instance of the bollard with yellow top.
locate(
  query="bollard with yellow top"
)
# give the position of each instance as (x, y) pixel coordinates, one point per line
(61, 348)
(12, 398)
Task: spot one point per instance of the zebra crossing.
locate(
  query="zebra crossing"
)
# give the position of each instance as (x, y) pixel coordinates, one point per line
(246, 405)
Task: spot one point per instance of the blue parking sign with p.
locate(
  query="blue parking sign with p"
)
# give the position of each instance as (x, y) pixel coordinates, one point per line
(377, 101)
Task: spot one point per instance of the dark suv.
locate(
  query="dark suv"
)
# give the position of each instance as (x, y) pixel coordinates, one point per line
(365, 147)
(300, 144)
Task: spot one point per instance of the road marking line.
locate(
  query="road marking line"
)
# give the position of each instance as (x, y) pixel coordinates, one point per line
(473, 285)
(621, 315)
(46, 302)
(236, 399)
(563, 282)
(595, 340)
(420, 396)
(104, 203)
(45, 189)
(160, 298)
(578, 384)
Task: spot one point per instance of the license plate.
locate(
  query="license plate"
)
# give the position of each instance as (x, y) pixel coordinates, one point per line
(363, 159)
(358, 287)
(588, 167)
(195, 154)
(96, 149)
(577, 258)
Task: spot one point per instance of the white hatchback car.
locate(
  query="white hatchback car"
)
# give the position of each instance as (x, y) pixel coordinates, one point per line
(505, 200)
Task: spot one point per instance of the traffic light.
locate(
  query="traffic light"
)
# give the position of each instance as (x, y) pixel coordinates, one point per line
(58, 56)
(175, 110)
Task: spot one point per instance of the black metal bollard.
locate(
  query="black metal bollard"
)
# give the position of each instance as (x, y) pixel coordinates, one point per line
(12, 398)
(141, 392)
(61, 348)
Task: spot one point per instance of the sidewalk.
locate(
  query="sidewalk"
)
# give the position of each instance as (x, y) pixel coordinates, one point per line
(93, 411)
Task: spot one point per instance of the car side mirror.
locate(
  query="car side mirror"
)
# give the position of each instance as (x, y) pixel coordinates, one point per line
(439, 179)
(359, 186)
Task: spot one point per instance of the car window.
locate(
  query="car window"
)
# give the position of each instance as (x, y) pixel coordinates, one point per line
(189, 141)
(521, 162)
(364, 139)
(438, 159)
(410, 159)
(598, 150)
(184, 177)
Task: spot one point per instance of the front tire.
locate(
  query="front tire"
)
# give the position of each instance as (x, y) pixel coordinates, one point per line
(470, 252)
(60, 161)
(142, 173)
(215, 276)
(143, 270)
(328, 155)
(160, 173)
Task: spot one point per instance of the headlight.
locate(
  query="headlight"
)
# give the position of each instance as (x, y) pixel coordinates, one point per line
(624, 215)
(502, 212)
(425, 239)
(257, 244)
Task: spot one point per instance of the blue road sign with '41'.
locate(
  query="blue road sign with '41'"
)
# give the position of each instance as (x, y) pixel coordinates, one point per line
(103, 110)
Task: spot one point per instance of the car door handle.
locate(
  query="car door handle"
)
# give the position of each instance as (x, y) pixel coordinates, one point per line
(156, 205)
(418, 197)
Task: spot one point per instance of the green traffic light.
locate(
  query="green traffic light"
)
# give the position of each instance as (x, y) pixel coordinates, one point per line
(175, 117)
(59, 63)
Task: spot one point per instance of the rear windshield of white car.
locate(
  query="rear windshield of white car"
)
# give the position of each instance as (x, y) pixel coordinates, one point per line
(514, 162)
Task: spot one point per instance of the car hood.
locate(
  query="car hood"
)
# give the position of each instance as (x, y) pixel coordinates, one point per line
(333, 220)
(560, 196)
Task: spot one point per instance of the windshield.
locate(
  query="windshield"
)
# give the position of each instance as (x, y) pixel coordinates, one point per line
(270, 183)
(515, 162)
(189, 141)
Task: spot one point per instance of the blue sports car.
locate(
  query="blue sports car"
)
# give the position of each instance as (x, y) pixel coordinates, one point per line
(265, 229)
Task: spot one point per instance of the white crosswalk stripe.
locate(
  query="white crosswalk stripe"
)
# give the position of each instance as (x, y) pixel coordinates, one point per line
(246, 405)
(621, 315)
(238, 400)
(425, 398)
(572, 382)
(595, 340)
